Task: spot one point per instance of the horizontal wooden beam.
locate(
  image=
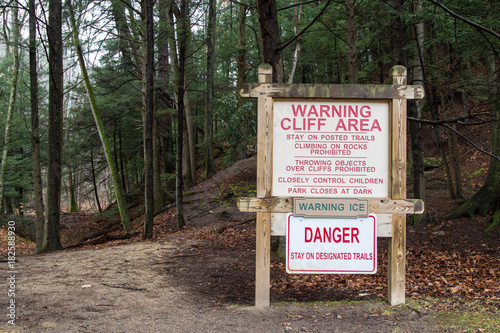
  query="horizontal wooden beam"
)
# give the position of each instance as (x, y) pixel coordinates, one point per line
(354, 91)
(376, 206)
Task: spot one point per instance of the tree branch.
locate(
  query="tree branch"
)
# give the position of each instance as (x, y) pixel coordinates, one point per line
(474, 24)
(457, 120)
(298, 4)
(291, 40)
(444, 123)
(242, 4)
(470, 142)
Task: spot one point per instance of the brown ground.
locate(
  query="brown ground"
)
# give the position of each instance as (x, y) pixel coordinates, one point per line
(193, 281)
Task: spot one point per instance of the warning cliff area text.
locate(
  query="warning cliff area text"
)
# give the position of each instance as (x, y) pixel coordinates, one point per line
(333, 148)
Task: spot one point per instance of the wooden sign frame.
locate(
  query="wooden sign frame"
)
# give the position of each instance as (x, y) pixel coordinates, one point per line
(271, 210)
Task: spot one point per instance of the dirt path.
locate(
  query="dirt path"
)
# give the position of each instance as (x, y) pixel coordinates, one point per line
(122, 289)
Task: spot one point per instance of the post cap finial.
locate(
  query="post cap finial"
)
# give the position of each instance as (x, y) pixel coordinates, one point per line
(398, 75)
(265, 73)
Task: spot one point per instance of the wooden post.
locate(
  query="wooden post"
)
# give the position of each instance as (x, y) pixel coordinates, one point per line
(264, 179)
(397, 244)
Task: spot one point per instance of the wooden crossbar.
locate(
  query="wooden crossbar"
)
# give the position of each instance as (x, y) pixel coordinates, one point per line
(376, 206)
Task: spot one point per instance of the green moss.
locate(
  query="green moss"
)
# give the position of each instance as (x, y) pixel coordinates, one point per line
(469, 321)
(477, 173)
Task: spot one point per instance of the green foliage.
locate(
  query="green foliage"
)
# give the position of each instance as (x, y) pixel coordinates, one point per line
(236, 127)
(19, 162)
(120, 105)
(454, 54)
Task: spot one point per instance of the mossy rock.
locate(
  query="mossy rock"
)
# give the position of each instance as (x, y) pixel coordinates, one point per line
(432, 162)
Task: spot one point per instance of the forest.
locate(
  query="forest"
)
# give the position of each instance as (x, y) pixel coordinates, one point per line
(104, 100)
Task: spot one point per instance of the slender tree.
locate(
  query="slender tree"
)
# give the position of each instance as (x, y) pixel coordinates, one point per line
(94, 181)
(120, 195)
(12, 98)
(209, 123)
(415, 128)
(164, 102)
(298, 9)
(242, 44)
(352, 54)
(183, 20)
(35, 128)
(178, 68)
(148, 114)
(52, 240)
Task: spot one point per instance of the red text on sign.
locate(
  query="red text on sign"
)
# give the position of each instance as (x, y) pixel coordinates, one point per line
(329, 235)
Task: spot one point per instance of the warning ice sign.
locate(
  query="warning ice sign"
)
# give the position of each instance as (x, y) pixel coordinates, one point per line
(331, 246)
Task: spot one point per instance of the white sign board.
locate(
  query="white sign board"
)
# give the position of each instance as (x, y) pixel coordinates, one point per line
(331, 246)
(333, 148)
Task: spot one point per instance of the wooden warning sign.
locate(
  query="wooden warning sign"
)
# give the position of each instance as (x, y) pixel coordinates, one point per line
(331, 142)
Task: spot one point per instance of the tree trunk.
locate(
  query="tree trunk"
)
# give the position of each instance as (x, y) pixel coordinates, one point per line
(52, 240)
(241, 60)
(125, 38)
(415, 110)
(270, 37)
(72, 193)
(12, 98)
(435, 115)
(178, 68)
(160, 195)
(296, 20)
(209, 100)
(94, 181)
(162, 82)
(190, 176)
(163, 120)
(180, 112)
(124, 178)
(455, 158)
(35, 129)
(148, 115)
(452, 140)
(120, 196)
(352, 53)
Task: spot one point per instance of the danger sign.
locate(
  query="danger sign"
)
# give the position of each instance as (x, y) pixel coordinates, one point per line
(334, 148)
(331, 246)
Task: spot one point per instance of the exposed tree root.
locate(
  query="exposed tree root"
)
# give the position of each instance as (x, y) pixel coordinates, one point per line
(495, 221)
(100, 236)
(486, 200)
